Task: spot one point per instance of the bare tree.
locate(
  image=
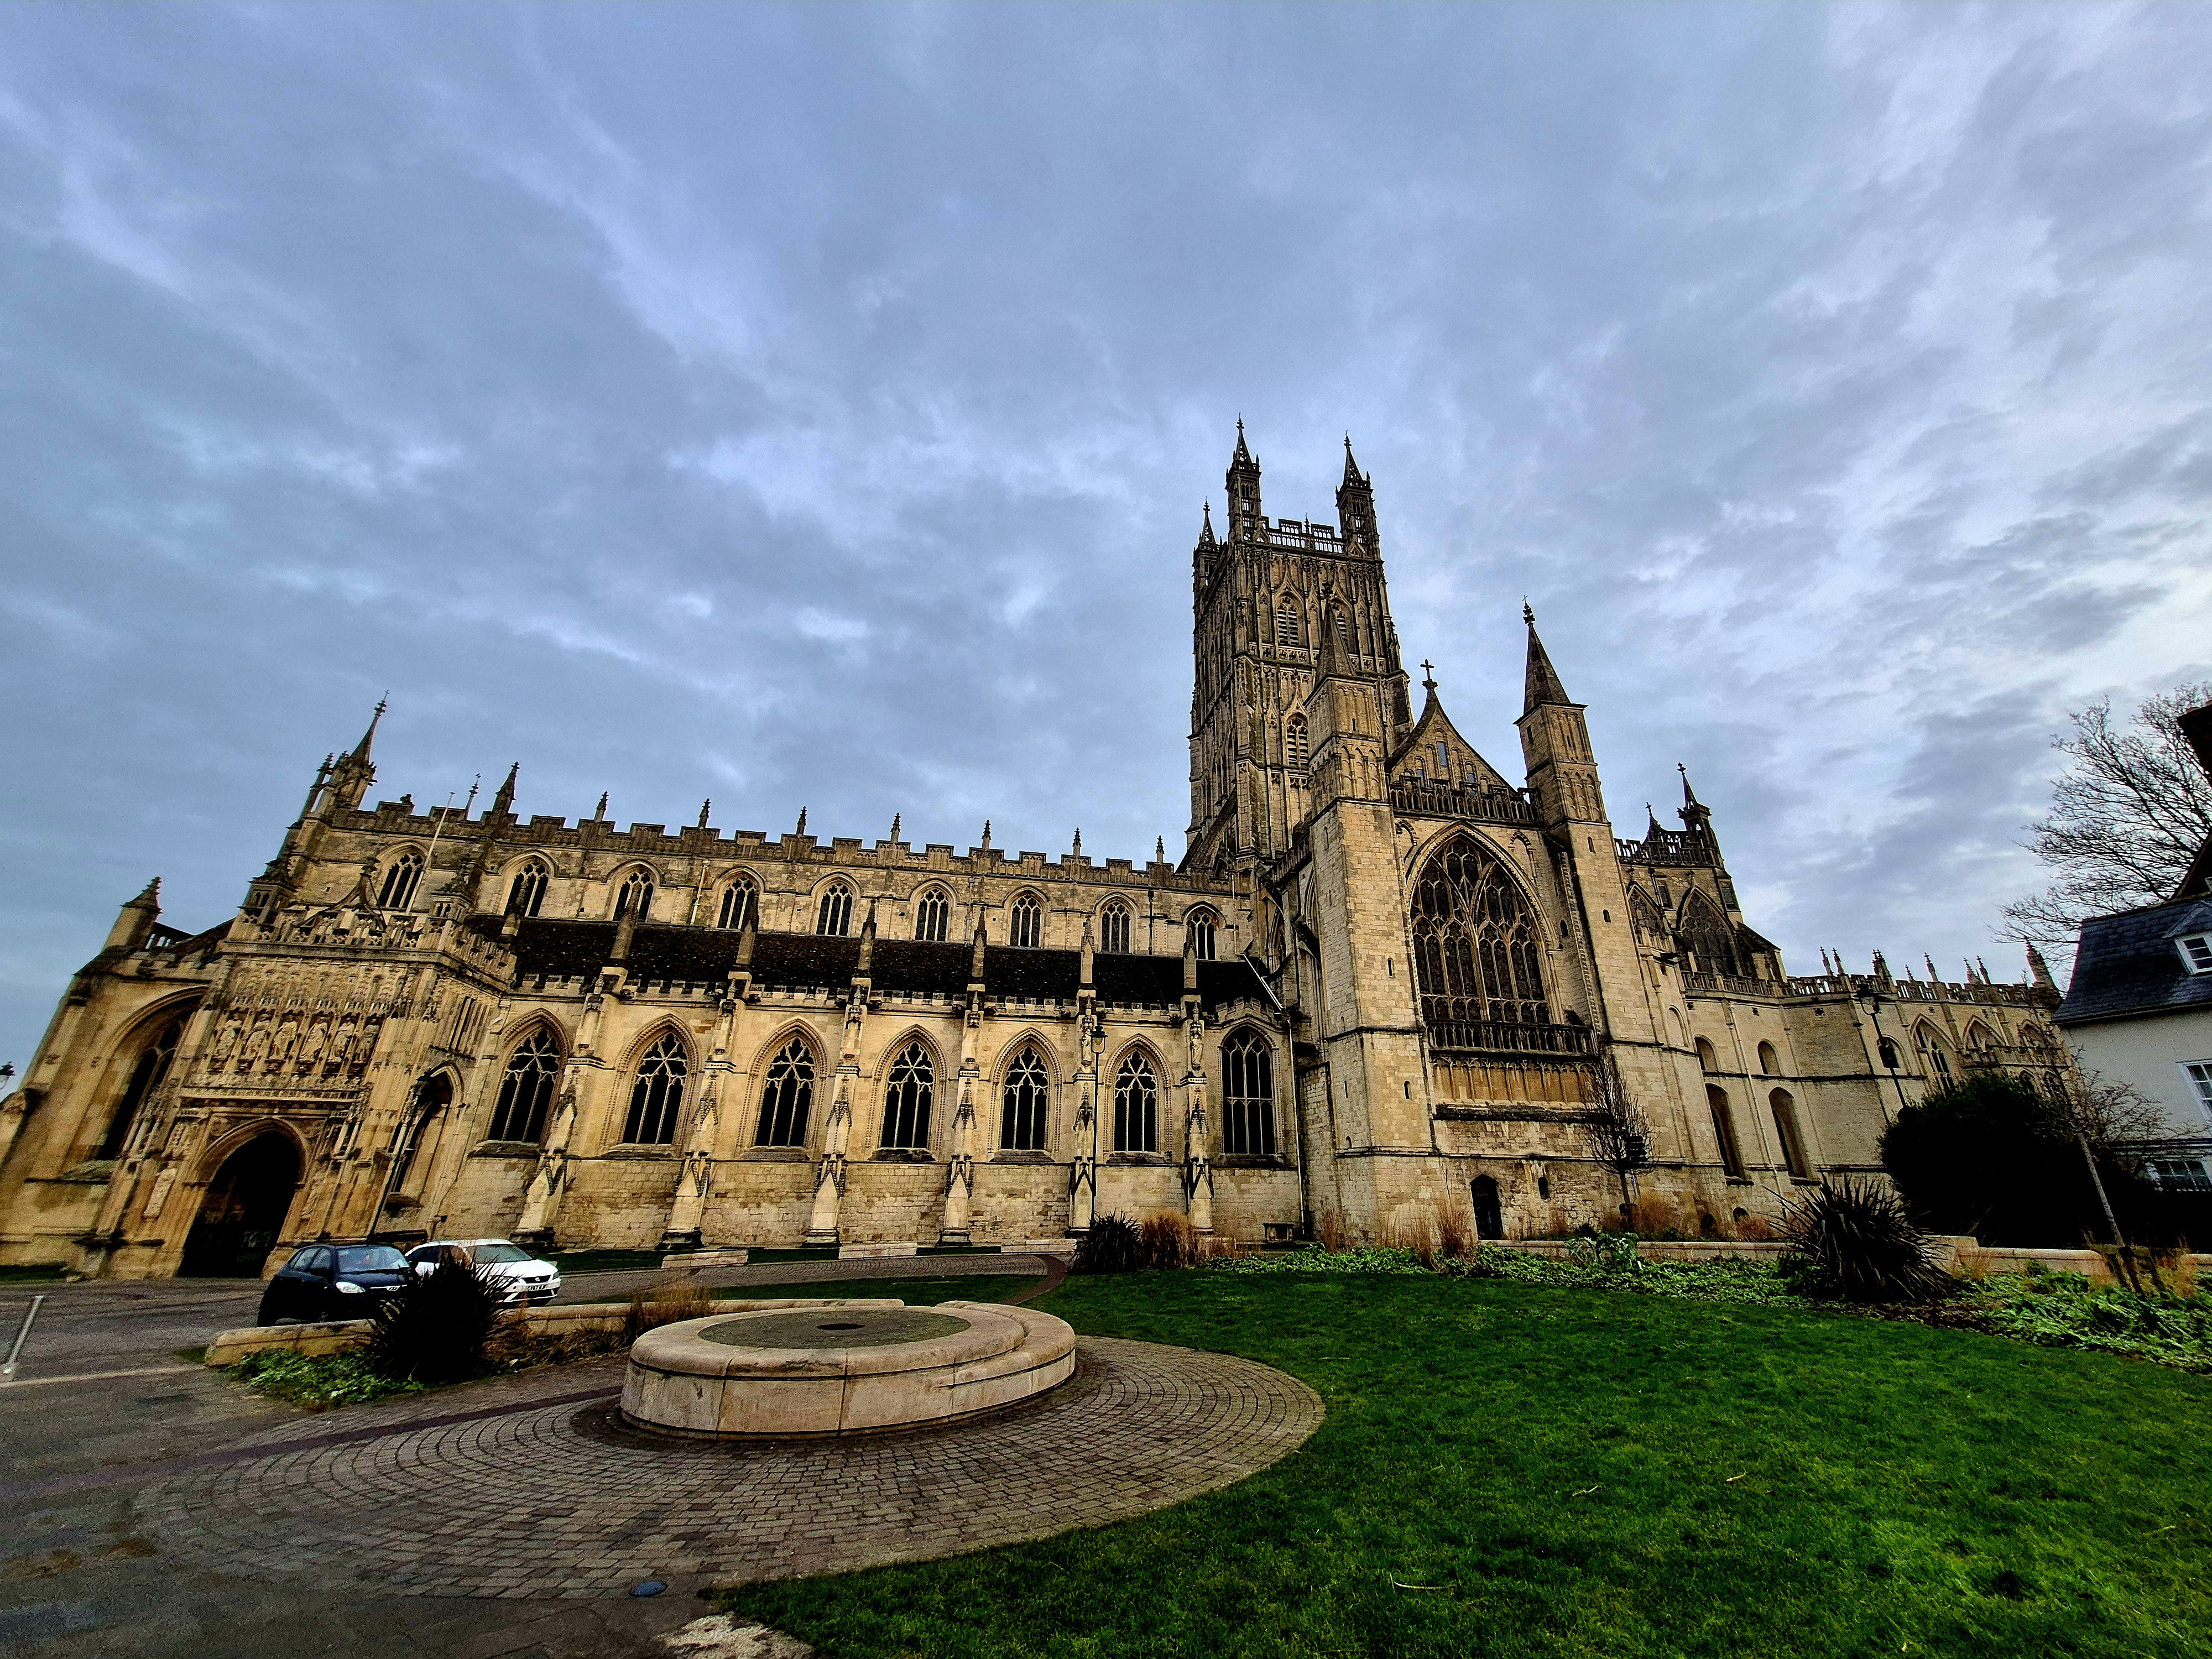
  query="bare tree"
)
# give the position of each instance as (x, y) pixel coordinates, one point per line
(2126, 817)
(1620, 1134)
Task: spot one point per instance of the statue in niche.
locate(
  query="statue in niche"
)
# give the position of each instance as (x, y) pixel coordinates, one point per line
(226, 1045)
(311, 1049)
(284, 1046)
(256, 1045)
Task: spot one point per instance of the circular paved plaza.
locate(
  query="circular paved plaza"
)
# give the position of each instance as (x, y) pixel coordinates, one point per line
(562, 1500)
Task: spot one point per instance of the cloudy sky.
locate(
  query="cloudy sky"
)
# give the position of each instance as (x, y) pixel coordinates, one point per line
(813, 407)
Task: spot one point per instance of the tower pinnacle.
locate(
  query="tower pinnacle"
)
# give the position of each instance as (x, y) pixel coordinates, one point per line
(1543, 683)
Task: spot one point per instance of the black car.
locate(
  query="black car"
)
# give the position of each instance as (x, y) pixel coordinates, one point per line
(332, 1282)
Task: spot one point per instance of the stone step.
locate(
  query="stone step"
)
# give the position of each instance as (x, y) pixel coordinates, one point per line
(872, 1252)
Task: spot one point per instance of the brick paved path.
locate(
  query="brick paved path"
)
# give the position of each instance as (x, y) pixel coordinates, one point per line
(563, 1500)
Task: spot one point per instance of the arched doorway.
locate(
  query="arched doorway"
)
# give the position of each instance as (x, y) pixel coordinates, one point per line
(244, 1210)
(1489, 1219)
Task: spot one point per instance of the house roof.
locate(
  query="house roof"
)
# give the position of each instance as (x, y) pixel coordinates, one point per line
(709, 955)
(2127, 964)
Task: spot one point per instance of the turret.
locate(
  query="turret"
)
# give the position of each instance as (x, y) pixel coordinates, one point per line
(355, 771)
(1697, 817)
(1555, 743)
(1355, 508)
(503, 799)
(1242, 479)
(134, 922)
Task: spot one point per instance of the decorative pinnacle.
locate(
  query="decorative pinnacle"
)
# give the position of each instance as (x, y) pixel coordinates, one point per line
(802, 823)
(600, 812)
(1528, 611)
(1159, 849)
(895, 828)
(705, 807)
(1078, 840)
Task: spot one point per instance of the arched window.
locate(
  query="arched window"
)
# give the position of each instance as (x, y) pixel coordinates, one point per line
(834, 914)
(1021, 1119)
(635, 897)
(656, 1096)
(1287, 630)
(1344, 630)
(432, 1097)
(1025, 923)
(1936, 1053)
(932, 916)
(1709, 942)
(1247, 1095)
(787, 1097)
(526, 895)
(527, 1091)
(1785, 1125)
(1296, 754)
(1716, 1102)
(1201, 926)
(1708, 1059)
(1889, 1055)
(1475, 944)
(740, 904)
(905, 1098)
(146, 1074)
(1768, 1063)
(1136, 1107)
(400, 876)
(1978, 1036)
(1113, 929)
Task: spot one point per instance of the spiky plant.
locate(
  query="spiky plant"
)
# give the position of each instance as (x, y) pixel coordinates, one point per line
(1112, 1245)
(1854, 1239)
(435, 1328)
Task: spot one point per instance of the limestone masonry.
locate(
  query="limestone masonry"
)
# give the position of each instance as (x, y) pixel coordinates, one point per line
(1374, 991)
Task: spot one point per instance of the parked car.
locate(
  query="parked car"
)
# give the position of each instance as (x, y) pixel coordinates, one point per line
(518, 1277)
(332, 1282)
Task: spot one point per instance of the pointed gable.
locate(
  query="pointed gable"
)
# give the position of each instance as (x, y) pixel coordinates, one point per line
(1457, 762)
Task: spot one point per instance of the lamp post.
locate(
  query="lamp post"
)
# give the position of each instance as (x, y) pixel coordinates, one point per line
(1884, 1048)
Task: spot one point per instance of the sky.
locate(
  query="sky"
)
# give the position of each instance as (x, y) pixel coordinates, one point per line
(812, 407)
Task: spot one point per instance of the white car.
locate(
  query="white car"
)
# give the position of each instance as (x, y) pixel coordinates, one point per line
(518, 1277)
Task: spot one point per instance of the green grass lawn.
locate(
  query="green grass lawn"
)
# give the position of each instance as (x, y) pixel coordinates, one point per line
(1589, 1472)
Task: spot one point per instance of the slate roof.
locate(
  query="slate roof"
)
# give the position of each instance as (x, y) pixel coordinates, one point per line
(2127, 964)
(708, 955)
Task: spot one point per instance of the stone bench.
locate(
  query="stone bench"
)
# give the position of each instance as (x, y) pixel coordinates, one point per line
(693, 1261)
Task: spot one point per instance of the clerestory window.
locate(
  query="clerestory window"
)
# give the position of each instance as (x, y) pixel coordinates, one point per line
(833, 915)
(526, 895)
(635, 897)
(400, 878)
(1114, 928)
(1201, 927)
(1025, 925)
(740, 904)
(932, 916)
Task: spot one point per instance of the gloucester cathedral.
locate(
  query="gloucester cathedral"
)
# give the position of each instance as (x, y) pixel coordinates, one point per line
(1377, 987)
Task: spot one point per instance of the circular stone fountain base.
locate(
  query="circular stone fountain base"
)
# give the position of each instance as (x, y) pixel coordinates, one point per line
(812, 1371)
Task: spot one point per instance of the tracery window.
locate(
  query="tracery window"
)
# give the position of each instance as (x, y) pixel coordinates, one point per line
(1287, 630)
(740, 904)
(635, 897)
(525, 1093)
(1296, 753)
(1711, 942)
(906, 1096)
(1113, 929)
(658, 1094)
(400, 876)
(834, 914)
(1474, 945)
(932, 917)
(1021, 1118)
(787, 1097)
(1938, 1058)
(1247, 1095)
(146, 1074)
(526, 895)
(1136, 1107)
(1025, 923)
(1201, 927)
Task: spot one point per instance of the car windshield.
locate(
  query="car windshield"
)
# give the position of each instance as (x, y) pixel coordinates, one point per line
(489, 1253)
(371, 1259)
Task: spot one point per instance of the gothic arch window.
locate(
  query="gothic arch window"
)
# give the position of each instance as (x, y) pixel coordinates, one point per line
(1247, 1095)
(1114, 928)
(1199, 925)
(932, 916)
(432, 1096)
(635, 897)
(147, 1072)
(1343, 629)
(1769, 1064)
(740, 904)
(657, 1097)
(1025, 923)
(1287, 628)
(907, 1094)
(1137, 1106)
(1889, 1055)
(1708, 1059)
(835, 913)
(525, 1093)
(1936, 1056)
(1716, 1102)
(1978, 1036)
(1021, 1108)
(526, 894)
(1710, 942)
(401, 878)
(1785, 1107)
(1475, 943)
(786, 1096)
(1296, 752)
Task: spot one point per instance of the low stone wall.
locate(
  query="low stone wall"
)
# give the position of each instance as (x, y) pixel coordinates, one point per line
(1956, 1253)
(573, 1319)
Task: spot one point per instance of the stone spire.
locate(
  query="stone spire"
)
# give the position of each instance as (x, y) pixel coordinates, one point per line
(705, 807)
(1242, 479)
(354, 770)
(2038, 970)
(1355, 508)
(1543, 685)
(503, 799)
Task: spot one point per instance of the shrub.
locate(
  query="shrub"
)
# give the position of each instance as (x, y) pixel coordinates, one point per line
(1114, 1245)
(663, 1304)
(320, 1381)
(1607, 1253)
(1854, 1239)
(1455, 1235)
(1170, 1241)
(434, 1328)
